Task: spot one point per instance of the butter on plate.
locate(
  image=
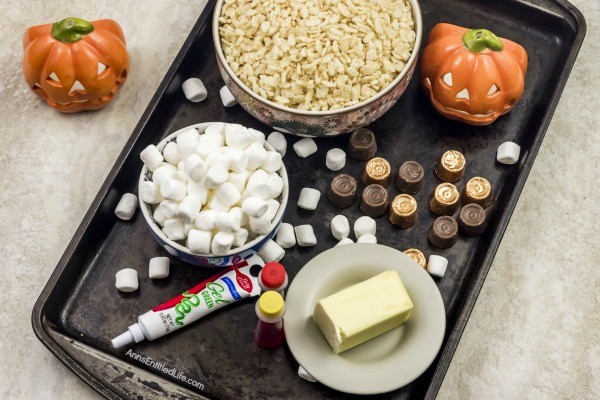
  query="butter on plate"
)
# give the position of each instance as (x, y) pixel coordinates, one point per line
(363, 311)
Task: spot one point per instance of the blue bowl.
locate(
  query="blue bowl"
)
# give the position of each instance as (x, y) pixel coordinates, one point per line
(209, 260)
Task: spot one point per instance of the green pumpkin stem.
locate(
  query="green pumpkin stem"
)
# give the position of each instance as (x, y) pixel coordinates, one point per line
(478, 40)
(71, 29)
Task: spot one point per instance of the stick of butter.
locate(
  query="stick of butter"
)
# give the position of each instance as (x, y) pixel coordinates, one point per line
(363, 311)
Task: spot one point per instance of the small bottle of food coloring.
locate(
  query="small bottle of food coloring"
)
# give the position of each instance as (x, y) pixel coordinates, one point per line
(273, 277)
(270, 308)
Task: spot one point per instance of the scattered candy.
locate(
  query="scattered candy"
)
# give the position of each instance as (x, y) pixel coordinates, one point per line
(418, 256)
(271, 251)
(508, 153)
(478, 190)
(471, 220)
(443, 233)
(278, 141)
(309, 199)
(127, 280)
(377, 170)
(286, 237)
(450, 167)
(403, 212)
(305, 236)
(194, 90)
(227, 97)
(340, 228)
(364, 225)
(126, 206)
(367, 238)
(437, 265)
(335, 159)
(410, 177)
(342, 191)
(362, 144)
(305, 147)
(374, 200)
(158, 267)
(444, 199)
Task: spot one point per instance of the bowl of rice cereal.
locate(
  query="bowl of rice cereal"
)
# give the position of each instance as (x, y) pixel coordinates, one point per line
(317, 67)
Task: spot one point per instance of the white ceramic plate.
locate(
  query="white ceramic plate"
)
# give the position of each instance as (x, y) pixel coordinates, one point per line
(385, 363)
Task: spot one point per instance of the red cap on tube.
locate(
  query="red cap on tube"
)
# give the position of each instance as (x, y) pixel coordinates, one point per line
(273, 275)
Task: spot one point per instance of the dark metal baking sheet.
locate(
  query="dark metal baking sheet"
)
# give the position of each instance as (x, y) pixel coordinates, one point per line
(79, 310)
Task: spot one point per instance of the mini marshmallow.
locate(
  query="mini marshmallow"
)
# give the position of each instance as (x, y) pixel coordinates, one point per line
(340, 228)
(237, 136)
(173, 189)
(277, 140)
(197, 189)
(150, 192)
(238, 159)
(151, 157)
(158, 216)
(364, 225)
(258, 176)
(255, 206)
(227, 97)
(286, 237)
(187, 142)
(302, 373)
(508, 153)
(240, 237)
(275, 184)
(189, 208)
(238, 181)
(227, 222)
(216, 140)
(158, 267)
(190, 134)
(126, 206)
(218, 159)
(205, 149)
(188, 226)
(228, 193)
(180, 166)
(344, 241)
(257, 155)
(181, 175)
(240, 217)
(194, 90)
(169, 208)
(309, 198)
(335, 159)
(305, 236)
(195, 167)
(260, 225)
(127, 280)
(174, 229)
(367, 238)
(221, 243)
(215, 177)
(437, 265)
(273, 162)
(215, 203)
(305, 147)
(199, 241)
(271, 251)
(216, 128)
(257, 136)
(170, 153)
(166, 170)
(206, 220)
(272, 210)
(259, 189)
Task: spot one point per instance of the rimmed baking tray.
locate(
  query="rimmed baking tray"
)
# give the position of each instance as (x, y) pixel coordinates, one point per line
(79, 310)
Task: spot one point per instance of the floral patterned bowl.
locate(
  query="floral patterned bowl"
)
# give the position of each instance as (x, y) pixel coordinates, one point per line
(317, 123)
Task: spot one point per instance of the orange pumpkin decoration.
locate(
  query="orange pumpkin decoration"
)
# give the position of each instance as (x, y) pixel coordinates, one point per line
(74, 64)
(471, 75)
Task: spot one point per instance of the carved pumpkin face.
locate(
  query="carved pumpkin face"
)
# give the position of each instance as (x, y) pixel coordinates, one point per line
(471, 75)
(74, 64)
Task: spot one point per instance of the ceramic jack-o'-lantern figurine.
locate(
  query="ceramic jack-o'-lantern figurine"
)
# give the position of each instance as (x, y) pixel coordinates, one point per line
(74, 64)
(471, 75)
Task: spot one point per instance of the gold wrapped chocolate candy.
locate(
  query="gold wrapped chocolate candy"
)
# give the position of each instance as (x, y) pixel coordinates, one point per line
(377, 171)
(451, 166)
(418, 256)
(444, 199)
(403, 212)
(479, 191)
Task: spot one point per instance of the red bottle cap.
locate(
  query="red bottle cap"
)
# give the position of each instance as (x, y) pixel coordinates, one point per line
(273, 275)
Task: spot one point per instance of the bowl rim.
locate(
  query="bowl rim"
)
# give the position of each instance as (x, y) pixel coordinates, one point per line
(201, 127)
(416, 12)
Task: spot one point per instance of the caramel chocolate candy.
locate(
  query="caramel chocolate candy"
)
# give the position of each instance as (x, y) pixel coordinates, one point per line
(471, 220)
(403, 211)
(478, 190)
(342, 191)
(410, 177)
(444, 199)
(443, 232)
(418, 256)
(451, 166)
(362, 144)
(374, 200)
(377, 171)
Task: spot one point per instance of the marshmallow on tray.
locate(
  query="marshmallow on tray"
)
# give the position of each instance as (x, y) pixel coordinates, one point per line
(508, 153)
(221, 243)
(126, 206)
(340, 228)
(126, 280)
(278, 141)
(364, 225)
(335, 159)
(286, 237)
(227, 97)
(151, 157)
(271, 251)
(194, 90)
(309, 198)
(305, 147)
(158, 267)
(437, 265)
(367, 238)
(305, 236)
(344, 241)
(199, 241)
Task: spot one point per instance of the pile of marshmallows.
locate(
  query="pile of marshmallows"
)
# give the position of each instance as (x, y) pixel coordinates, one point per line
(214, 191)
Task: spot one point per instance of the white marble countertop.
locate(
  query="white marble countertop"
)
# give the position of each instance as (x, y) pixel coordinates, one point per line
(534, 332)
